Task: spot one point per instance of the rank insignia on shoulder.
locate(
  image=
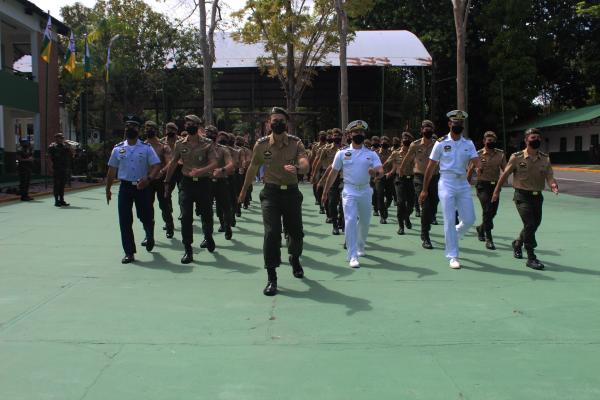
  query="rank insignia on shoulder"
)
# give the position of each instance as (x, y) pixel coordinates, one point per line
(441, 139)
(293, 137)
(263, 139)
(518, 154)
(119, 144)
(543, 154)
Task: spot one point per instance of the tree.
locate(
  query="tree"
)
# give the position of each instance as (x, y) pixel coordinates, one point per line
(207, 47)
(460, 10)
(295, 37)
(342, 26)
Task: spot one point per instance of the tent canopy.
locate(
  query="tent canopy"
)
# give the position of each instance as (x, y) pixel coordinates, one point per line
(561, 118)
(369, 48)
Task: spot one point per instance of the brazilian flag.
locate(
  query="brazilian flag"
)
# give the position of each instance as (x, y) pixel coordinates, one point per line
(87, 62)
(70, 55)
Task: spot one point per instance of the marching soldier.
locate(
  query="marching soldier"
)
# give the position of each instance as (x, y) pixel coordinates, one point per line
(284, 157)
(452, 155)
(199, 161)
(384, 186)
(493, 162)
(137, 165)
(314, 174)
(157, 187)
(418, 156)
(221, 190)
(333, 197)
(405, 190)
(247, 158)
(60, 155)
(169, 140)
(531, 170)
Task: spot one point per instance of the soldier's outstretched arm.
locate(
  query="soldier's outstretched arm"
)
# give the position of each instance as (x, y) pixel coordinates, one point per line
(431, 165)
(110, 178)
(250, 174)
(330, 179)
(507, 171)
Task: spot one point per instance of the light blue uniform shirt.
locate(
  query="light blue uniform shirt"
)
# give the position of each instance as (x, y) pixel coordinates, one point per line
(453, 155)
(134, 161)
(355, 164)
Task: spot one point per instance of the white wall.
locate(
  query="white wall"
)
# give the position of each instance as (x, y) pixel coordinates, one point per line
(553, 135)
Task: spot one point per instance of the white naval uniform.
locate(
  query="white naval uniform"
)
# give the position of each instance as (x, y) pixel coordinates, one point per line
(356, 195)
(453, 188)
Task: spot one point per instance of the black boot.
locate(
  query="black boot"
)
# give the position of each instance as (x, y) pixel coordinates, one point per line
(129, 258)
(489, 241)
(228, 234)
(400, 228)
(517, 251)
(408, 223)
(296, 267)
(170, 232)
(426, 242)
(188, 256)
(210, 243)
(480, 233)
(271, 288)
(532, 261)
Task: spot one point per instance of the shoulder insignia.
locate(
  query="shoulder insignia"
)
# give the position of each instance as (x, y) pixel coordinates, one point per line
(542, 154)
(518, 154)
(500, 150)
(480, 151)
(119, 144)
(262, 139)
(441, 139)
(415, 141)
(293, 137)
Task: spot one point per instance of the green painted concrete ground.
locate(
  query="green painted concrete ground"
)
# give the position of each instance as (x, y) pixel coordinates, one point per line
(76, 324)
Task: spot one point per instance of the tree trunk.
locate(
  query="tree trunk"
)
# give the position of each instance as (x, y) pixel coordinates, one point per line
(342, 24)
(290, 68)
(207, 62)
(461, 14)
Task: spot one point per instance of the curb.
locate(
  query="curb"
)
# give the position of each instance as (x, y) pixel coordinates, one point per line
(576, 169)
(49, 192)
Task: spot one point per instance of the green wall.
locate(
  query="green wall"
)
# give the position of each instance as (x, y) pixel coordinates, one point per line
(18, 92)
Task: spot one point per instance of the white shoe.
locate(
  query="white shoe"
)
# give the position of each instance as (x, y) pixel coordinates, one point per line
(354, 263)
(361, 253)
(454, 263)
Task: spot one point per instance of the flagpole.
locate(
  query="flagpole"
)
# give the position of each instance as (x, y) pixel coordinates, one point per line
(45, 139)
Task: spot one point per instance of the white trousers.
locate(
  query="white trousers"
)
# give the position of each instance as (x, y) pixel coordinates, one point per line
(356, 202)
(455, 195)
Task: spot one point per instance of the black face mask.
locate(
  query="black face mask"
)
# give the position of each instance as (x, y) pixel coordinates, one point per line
(322, 139)
(150, 134)
(376, 145)
(396, 146)
(212, 137)
(240, 144)
(131, 133)
(457, 129)
(171, 134)
(385, 145)
(535, 144)
(490, 145)
(192, 130)
(427, 134)
(358, 139)
(406, 142)
(329, 140)
(337, 140)
(223, 142)
(278, 127)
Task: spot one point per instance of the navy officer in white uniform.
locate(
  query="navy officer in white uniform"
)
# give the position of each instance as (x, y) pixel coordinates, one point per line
(454, 153)
(137, 164)
(358, 164)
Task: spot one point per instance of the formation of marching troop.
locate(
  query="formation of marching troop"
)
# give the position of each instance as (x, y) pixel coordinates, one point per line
(353, 177)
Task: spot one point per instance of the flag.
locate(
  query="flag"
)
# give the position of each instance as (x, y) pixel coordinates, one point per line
(87, 67)
(47, 43)
(108, 56)
(70, 55)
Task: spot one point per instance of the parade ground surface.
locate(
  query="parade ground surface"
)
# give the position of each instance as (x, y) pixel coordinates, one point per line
(77, 324)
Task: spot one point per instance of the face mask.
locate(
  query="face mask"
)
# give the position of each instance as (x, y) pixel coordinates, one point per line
(329, 140)
(231, 143)
(337, 140)
(150, 134)
(212, 137)
(406, 142)
(278, 127)
(223, 142)
(490, 145)
(358, 139)
(535, 144)
(322, 139)
(171, 134)
(385, 145)
(192, 130)
(457, 129)
(131, 133)
(376, 145)
(396, 146)
(427, 134)
(239, 144)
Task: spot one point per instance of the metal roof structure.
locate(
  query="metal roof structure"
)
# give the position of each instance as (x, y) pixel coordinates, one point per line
(561, 118)
(368, 48)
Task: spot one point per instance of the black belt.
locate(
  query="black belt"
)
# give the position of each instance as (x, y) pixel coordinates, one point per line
(280, 187)
(490, 183)
(529, 192)
(195, 178)
(132, 183)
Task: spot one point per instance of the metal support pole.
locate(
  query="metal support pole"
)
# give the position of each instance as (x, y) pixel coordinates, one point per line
(382, 97)
(504, 144)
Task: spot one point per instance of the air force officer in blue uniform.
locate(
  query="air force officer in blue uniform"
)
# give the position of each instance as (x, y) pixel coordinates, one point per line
(454, 153)
(137, 164)
(358, 164)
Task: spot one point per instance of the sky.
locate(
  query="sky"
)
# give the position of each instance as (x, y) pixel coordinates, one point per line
(172, 8)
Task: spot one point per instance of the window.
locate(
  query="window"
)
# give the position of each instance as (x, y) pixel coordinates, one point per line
(578, 143)
(594, 140)
(563, 144)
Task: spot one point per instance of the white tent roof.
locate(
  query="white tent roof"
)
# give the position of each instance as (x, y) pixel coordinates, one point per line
(389, 48)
